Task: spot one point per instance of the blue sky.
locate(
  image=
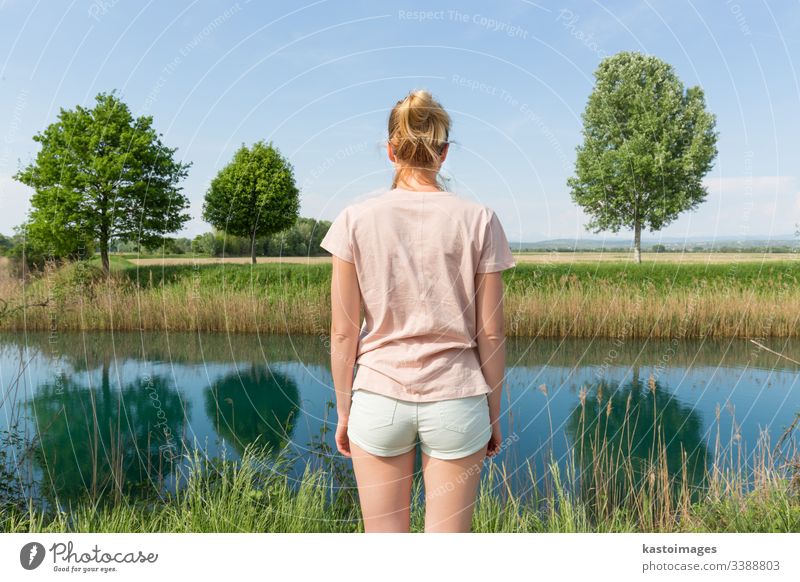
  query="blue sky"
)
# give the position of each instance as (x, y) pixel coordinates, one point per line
(319, 78)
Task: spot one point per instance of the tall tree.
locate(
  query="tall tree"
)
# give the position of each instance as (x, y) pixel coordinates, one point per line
(101, 174)
(254, 195)
(647, 143)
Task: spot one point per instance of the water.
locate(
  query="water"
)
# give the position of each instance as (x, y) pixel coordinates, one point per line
(133, 399)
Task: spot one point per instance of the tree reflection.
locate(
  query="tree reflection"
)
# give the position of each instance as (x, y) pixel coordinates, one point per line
(256, 402)
(636, 437)
(100, 441)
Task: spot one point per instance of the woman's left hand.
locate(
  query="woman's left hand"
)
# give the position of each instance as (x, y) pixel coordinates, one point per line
(342, 440)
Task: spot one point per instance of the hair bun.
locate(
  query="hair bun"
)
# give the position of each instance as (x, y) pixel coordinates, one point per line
(421, 103)
(419, 128)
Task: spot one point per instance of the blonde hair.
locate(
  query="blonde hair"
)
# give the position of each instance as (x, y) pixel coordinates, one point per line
(419, 129)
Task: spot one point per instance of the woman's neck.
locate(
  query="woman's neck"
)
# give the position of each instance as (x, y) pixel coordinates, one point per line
(419, 185)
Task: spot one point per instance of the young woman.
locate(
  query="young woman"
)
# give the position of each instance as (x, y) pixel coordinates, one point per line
(426, 266)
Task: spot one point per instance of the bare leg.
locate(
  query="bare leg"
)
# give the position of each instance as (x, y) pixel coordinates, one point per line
(450, 490)
(384, 489)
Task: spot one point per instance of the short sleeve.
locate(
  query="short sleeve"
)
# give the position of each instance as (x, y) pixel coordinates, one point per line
(496, 254)
(337, 240)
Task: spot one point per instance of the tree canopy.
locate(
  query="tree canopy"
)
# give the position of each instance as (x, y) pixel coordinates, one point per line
(254, 195)
(647, 143)
(101, 174)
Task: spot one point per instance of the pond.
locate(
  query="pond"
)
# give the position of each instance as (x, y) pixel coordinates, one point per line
(93, 402)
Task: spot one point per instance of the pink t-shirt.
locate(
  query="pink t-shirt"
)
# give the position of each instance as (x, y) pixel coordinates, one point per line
(416, 255)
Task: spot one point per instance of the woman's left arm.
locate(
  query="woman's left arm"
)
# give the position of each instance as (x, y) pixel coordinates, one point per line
(345, 329)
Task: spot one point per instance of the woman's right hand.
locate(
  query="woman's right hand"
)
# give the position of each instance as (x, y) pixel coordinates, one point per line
(495, 441)
(342, 440)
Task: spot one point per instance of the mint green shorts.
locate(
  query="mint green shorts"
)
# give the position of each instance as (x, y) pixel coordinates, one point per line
(446, 429)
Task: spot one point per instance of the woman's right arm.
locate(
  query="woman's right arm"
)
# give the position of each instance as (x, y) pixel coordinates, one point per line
(491, 339)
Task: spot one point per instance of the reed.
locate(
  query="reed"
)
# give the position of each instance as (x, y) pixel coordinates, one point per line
(656, 300)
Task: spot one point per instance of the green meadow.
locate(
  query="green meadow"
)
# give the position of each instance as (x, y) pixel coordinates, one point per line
(558, 299)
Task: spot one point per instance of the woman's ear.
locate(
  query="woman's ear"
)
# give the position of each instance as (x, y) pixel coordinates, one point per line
(445, 149)
(390, 151)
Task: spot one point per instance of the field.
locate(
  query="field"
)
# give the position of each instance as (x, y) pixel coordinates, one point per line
(178, 260)
(524, 257)
(558, 298)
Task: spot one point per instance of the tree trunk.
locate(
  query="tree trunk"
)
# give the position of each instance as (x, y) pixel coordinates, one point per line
(104, 258)
(253, 249)
(637, 243)
(105, 229)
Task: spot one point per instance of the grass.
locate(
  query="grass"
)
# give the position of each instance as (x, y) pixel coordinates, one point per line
(252, 495)
(583, 299)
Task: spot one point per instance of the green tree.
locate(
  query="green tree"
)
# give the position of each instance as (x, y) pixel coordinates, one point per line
(209, 243)
(102, 175)
(312, 233)
(647, 143)
(26, 253)
(5, 244)
(254, 195)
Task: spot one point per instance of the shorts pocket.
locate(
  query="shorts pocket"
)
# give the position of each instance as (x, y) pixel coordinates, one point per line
(372, 410)
(464, 414)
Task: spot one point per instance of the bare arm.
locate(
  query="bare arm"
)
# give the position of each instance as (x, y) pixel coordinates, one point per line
(345, 327)
(491, 335)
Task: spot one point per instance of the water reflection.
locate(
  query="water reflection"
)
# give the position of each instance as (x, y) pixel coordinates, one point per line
(113, 413)
(92, 438)
(257, 403)
(643, 424)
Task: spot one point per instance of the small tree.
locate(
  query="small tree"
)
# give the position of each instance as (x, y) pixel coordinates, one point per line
(647, 143)
(5, 244)
(102, 174)
(254, 195)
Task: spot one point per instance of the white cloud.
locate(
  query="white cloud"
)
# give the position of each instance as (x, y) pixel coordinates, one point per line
(750, 205)
(796, 216)
(735, 206)
(741, 184)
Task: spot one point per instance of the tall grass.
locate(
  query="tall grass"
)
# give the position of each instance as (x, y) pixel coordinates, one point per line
(244, 497)
(598, 487)
(655, 300)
